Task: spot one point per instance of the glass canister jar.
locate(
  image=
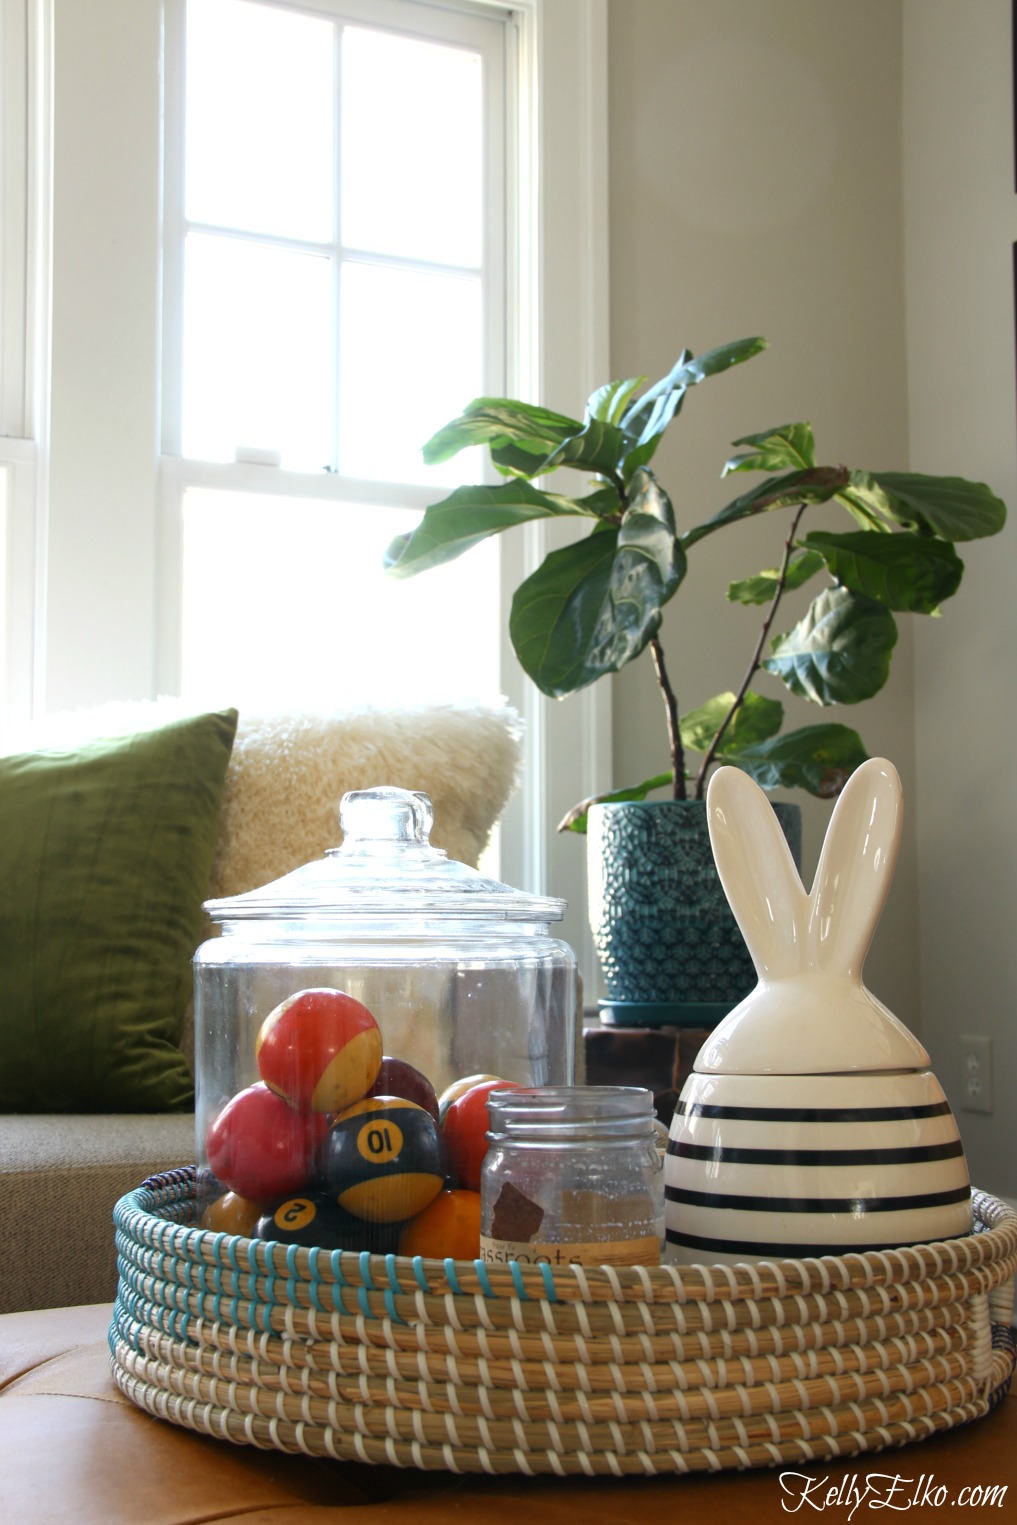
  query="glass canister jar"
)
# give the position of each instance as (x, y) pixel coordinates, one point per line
(459, 971)
(573, 1174)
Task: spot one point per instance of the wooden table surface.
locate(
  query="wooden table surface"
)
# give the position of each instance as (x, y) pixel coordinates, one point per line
(73, 1449)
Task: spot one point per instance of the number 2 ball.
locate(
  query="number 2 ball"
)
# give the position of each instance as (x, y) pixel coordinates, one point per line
(319, 1050)
(384, 1159)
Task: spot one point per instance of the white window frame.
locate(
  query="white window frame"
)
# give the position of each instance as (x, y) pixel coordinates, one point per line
(25, 35)
(97, 591)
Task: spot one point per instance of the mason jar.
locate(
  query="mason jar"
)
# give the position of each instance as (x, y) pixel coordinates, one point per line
(573, 1175)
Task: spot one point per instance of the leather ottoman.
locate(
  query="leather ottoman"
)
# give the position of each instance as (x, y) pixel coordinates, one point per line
(73, 1449)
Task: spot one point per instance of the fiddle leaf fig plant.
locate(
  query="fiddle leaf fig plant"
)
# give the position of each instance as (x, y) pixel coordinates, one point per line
(597, 603)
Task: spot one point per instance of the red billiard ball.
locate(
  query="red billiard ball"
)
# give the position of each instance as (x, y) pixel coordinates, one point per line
(320, 1050)
(260, 1148)
(399, 1078)
(464, 1126)
(383, 1159)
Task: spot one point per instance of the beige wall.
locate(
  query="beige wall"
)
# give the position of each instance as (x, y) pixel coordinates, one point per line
(960, 227)
(840, 178)
(755, 183)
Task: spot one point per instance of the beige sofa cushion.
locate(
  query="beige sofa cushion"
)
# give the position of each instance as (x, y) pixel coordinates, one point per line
(60, 1178)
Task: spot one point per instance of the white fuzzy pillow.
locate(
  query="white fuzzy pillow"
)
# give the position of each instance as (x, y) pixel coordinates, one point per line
(288, 774)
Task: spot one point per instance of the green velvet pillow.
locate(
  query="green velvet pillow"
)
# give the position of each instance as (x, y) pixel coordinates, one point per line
(105, 858)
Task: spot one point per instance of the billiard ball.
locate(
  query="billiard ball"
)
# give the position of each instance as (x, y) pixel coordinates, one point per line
(261, 1148)
(464, 1126)
(383, 1159)
(397, 1077)
(317, 1220)
(320, 1050)
(230, 1214)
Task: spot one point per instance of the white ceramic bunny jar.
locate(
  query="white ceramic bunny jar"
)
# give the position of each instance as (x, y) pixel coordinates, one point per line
(812, 1123)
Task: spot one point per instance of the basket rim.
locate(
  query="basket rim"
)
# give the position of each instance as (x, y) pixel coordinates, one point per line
(155, 1214)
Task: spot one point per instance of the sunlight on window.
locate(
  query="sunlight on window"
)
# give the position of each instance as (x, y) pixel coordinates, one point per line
(412, 123)
(288, 606)
(410, 360)
(257, 351)
(259, 119)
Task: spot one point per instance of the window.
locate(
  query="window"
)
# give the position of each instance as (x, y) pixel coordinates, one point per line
(335, 291)
(94, 580)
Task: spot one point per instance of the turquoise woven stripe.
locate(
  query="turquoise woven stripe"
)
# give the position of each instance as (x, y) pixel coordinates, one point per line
(392, 1310)
(548, 1275)
(293, 1279)
(517, 1279)
(418, 1272)
(314, 1285)
(483, 1278)
(390, 1271)
(452, 1275)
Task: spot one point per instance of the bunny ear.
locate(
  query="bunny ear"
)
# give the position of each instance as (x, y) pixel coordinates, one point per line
(758, 872)
(855, 868)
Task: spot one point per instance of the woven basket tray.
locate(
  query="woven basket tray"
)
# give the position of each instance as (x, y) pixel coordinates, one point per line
(467, 1367)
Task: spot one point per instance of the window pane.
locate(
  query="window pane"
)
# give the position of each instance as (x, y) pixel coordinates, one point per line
(259, 119)
(410, 360)
(257, 351)
(288, 606)
(412, 148)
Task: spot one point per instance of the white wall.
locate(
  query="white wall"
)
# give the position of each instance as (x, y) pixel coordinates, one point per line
(960, 225)
(756, 189)
(100, 582)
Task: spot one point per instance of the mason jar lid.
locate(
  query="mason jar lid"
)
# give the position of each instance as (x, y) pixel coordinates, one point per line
(386, 868)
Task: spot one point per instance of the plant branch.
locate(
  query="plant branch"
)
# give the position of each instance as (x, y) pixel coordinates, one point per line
(678, 790)
(753, 668)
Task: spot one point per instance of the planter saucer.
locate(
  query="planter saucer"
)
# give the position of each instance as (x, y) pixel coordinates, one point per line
(697, 1014)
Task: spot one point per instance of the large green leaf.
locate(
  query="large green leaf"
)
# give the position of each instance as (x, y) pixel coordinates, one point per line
(501, 421)
(467, 516)
(757, 718)
(867, 503)
(591, 607)
(839, 653)
(762, 588)
(952, 507)
(609, 402)
(817, 484)
(904, 571)
(649, 416)
(647, 533)
(576, 818)
(819, 758)
(789, 447)
(598, 447)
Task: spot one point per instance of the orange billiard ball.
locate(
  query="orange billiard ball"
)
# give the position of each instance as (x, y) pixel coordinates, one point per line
(320, 1050)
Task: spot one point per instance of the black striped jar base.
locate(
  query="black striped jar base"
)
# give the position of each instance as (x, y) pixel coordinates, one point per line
(763, 1166)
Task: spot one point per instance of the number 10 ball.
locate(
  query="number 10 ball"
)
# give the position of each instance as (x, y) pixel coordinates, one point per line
(383, 1159)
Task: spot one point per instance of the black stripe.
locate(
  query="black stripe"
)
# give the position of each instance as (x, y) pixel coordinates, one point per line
(811, 1114)
(730, 1154)
(856, 1206)
(791, 1251)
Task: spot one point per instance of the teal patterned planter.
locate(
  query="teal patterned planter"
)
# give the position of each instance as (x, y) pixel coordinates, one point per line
(669, 947)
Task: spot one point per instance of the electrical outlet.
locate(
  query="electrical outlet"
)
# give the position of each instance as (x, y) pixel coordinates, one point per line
(976, 1074)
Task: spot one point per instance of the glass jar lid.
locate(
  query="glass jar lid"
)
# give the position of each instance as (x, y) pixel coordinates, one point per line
(386, 868)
